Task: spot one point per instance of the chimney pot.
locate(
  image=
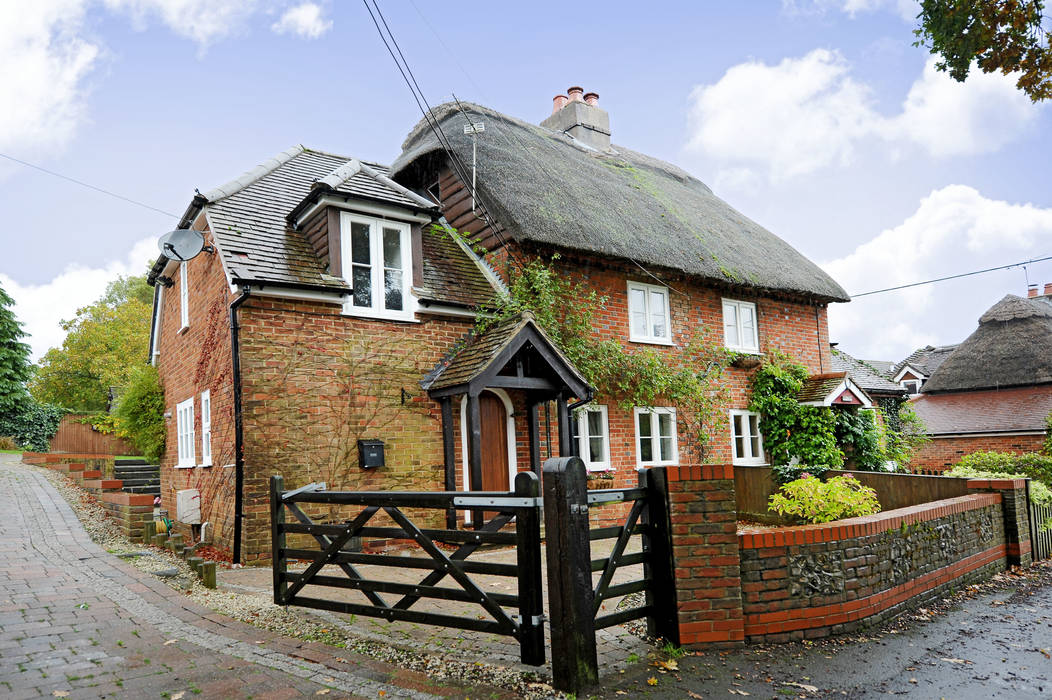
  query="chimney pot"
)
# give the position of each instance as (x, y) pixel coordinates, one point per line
(1048, 289)
(575, 93)
(591, 98)
(558, 102)
(1031, 291)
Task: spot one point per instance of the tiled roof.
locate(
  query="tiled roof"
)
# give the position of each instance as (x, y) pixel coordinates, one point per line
(926, 359)
(818, 386)
(479, 351)
(869, 375)
(1004, 410)
(451, 274)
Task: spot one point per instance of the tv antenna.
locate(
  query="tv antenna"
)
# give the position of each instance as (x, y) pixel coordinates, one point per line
(473, 130)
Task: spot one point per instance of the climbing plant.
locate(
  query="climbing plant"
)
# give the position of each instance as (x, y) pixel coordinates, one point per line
(567, 310)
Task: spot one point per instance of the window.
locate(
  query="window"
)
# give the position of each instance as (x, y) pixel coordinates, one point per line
(593, 437)
(656, 436)
(739, 326)
(377, 263)
(912, 386)
(746, 439)
(184, 430)
(184, 298)
(648, 317)
(206, 428)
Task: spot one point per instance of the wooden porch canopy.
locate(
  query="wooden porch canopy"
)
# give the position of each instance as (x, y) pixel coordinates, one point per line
(513, 354)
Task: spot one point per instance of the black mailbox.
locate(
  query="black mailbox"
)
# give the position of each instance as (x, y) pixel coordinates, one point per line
(370, 454)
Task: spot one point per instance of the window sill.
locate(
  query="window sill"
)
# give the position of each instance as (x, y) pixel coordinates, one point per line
(184, 329)
(380, 316)
(599, 469)
(750, 463)
(744, 351)
(652, 341)
(648, 465)
(185, 466)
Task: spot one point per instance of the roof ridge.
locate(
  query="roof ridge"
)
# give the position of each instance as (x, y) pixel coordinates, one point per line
(253, 174)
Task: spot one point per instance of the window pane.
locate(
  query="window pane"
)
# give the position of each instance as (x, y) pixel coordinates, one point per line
(361, 281)
(736, 421)
(393, 248)
(595, 450)
(730, 325)
(360, 243)
(595, 423)
(644, 424)
(664, 425)
(657, 314)
(393, 290)
(637, 305)
(748, 336)
(754, 444)
(646, 450)
(739, 446)
(754, 425)
(666, 449)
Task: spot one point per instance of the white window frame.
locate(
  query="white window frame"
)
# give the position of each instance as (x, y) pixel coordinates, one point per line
(184, 431)
(909, 391)
(184, 298)
(748, 459)
(655, 423)
(376, 226)
(648, 291)
(583, 437)
(754, 348)
(206, 428)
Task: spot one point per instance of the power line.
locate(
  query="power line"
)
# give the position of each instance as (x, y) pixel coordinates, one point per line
(953, 277)
(90, 186)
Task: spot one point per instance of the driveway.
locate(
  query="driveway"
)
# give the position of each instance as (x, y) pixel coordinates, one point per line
(78, 622)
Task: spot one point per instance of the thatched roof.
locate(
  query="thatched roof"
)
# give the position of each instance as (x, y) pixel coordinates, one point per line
(1011, 347)
(547, 188)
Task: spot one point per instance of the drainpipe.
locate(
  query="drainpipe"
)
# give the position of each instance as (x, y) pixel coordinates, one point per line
(239, 442)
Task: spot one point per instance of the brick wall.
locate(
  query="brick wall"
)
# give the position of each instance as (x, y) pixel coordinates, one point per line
(944, 452)
(131, 511)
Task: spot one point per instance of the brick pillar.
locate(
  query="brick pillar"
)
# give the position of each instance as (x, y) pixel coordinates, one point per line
(132, 511)
(1016, 511)
(705, 552)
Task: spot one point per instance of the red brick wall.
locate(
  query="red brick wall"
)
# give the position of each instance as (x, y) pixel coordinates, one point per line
(189, 363)
(942, 453)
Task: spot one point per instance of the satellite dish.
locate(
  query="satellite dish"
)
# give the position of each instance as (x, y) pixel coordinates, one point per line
(182, 244)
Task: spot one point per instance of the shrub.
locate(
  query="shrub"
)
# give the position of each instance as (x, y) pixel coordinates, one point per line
(8, 443)
(812, 500)
(140, 412)
(32, 424)
(784, 473)
(1040, 493)
(1032, 465)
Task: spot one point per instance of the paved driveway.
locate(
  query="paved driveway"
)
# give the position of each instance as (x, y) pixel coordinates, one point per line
(78, 622)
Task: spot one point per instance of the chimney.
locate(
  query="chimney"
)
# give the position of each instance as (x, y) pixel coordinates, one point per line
(578, 115)
(1031, 291)
(1048, 289)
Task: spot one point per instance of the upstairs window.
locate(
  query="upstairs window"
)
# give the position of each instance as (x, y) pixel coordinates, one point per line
(184, 431)
(377, 263)
(656, 436)
(648, 314)
(593, 436)
(184, 298)
(206, 428)
(746, 438)
(739, 326)
(912, 386)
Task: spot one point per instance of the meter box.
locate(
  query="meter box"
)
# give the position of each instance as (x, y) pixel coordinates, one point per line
(188, 506)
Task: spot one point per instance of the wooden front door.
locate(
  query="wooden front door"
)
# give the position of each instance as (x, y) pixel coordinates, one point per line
(494, 419)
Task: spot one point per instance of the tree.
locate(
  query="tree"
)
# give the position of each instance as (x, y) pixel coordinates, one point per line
(1010, 36)
(15, 368)
(140, 412)
(104, 341)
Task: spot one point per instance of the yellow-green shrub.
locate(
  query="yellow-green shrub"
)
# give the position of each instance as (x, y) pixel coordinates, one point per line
(812, 500)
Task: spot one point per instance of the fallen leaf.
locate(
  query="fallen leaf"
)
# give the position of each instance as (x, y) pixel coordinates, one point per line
(1045, 652)
(652, 681)
(670, 665)
(171, 641)
(955, 661)
(804, 686)
(178, 695)
(695, 695)
(60, 694)
(913, 680)
(323, 691)
(732, 691)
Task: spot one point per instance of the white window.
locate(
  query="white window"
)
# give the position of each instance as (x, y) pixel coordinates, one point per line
(745, 438)
(739, 326)
(184, 431)
(648, 315)
(184, 298)
(206, 428)
(912, 386)
(378, 264)
(593, 437)
(656, 436)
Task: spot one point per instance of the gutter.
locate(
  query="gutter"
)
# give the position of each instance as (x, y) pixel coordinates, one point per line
(239, 441)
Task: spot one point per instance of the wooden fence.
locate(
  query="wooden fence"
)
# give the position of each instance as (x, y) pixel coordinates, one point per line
(74, 436)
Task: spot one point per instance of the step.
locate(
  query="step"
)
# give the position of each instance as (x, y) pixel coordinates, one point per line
(138, 469)
(141, 482)
(152, 490)
(128, 462)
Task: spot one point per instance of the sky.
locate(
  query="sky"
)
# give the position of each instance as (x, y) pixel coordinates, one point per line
(817, 118)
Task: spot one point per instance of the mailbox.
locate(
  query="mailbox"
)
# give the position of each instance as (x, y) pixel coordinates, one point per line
(370, 454)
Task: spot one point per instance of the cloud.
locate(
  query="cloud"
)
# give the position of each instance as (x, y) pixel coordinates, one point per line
(203, 21)
(42, 307)
(45, 60)
(304, 20)
(954, 229)
(906, 9)
(809, 113)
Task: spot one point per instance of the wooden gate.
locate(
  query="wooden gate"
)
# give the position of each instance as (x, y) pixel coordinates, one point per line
(1040, 538)
(523, 506)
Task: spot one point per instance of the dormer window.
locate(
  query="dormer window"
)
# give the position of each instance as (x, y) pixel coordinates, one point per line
(377, 263)
(912, 386)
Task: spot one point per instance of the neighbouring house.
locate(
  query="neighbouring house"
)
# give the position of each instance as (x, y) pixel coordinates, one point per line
(872, 376)
(994, 391)
(329, 335)
(912, 373)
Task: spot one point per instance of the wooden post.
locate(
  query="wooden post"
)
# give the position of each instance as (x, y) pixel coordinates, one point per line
(531, 599)
(565, 448)
(279, 564)
(449, 457)
(575, 665)
(533, 431)
(660, 567)
(474, 428)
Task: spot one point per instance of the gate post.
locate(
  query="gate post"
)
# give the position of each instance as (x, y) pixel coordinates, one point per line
(528, 550)
(278, 563)
(575, 665)
(659, 567)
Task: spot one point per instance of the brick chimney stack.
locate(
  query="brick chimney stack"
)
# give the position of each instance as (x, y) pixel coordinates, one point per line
(1031, 291)
(577, 114)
